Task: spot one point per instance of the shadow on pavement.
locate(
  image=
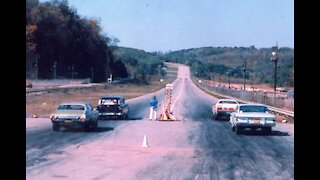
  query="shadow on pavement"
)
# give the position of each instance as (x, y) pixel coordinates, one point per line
(118, 119)
(81, 130)
(222, 119)
(261, 133)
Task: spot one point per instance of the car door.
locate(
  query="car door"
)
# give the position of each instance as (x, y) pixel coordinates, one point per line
(92, 113)
(232, 116)
(125, 107)
(95, 113)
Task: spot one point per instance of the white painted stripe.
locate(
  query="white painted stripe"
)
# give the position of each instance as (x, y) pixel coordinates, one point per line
(177, 97)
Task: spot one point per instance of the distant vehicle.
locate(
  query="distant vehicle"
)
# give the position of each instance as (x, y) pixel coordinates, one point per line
(290, 93)
(224, 107)
(74, 114)
(28, 84)
(109, 106)
(252, 116)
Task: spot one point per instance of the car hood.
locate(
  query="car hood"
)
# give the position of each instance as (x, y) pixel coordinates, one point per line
(68, 113)
(255, 114)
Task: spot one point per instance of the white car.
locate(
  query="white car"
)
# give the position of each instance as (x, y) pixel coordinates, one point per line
(252, 116)
(74, 114)
(224, 107)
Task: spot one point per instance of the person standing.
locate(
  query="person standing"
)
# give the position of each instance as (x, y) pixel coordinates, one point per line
(153, 108)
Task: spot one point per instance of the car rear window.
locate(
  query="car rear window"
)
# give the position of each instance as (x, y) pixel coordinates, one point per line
(227, 102)
(253, 108)
(109, 101)
(71, 107)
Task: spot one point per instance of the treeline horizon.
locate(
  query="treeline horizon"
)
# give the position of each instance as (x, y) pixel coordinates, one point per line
(61, 44)
(216, 63)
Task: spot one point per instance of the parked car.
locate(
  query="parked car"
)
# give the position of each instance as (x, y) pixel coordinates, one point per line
(224, 107)
(28, 84)
(74, 114)
(252, 116)
(109, 106)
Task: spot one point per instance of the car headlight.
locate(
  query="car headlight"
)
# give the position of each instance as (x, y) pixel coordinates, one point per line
(268, 119)
(242, 121)
(244, 118)
(54, 117)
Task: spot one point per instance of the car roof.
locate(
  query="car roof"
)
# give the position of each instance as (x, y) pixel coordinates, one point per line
(228, 100)
(252, 105)
(75, 103)
(112, 97)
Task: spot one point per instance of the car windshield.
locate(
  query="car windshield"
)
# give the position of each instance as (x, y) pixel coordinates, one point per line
(228, 102)
(109, 101)
(71, 107)
(253, 108)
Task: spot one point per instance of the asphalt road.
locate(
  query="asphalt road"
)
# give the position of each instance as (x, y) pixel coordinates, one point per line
(195, 147)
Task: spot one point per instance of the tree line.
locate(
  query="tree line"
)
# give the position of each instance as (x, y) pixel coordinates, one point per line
(61, 44)
(139, 64)
(220, 62)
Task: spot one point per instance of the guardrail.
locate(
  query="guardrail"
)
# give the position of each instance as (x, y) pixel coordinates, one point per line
(46, 90)
(271, 108)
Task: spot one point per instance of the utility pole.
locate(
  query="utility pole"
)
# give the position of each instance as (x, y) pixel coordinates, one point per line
(36, 66)
(72, 71)
(244, 73)
(91, 74)
(229, 78)
(274, 58)
(55, 70)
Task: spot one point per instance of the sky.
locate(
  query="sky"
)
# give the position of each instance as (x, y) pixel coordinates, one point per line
(169, 25)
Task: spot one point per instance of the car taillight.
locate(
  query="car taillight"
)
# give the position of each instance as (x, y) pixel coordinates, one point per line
(54, 118)
(219, 108)
(82, 117)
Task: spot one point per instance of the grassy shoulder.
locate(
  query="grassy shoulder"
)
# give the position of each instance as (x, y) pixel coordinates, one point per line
(44, 104)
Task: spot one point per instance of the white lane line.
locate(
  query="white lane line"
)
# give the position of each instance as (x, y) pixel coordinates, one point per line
(177, 97)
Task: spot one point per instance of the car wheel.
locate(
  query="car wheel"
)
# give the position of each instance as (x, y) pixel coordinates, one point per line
(95, 124)
(215, 116)
(55, 127)
(87, 127)
(238, 129)
(267, 130)
(232, 128)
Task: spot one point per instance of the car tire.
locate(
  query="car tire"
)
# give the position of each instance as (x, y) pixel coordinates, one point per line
(267, 130)
(87, 127)
(238, 130)
(95, 124)
(232, 128)
(55, 127)
(216, 117)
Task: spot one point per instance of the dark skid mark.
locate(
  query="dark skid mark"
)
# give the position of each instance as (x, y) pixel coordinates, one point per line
(35, 160)
(59, 176)
(118, 119)
(81, 130)
(249, 132)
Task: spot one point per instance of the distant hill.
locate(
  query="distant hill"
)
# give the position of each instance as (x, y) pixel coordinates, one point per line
(138, 63)
(215, 62)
